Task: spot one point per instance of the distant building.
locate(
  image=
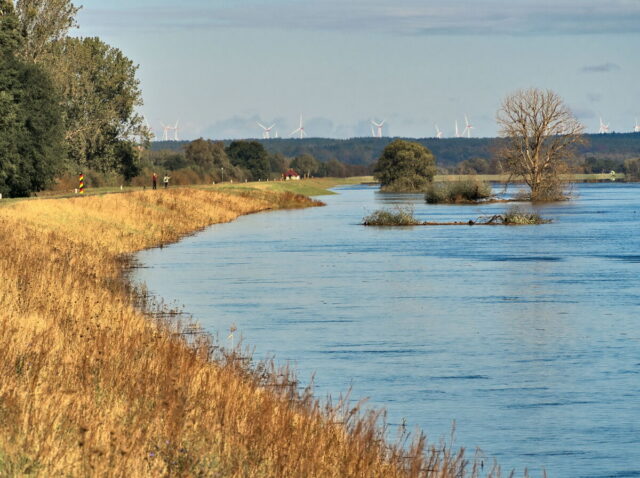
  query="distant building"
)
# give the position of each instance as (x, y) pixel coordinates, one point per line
(291, 175)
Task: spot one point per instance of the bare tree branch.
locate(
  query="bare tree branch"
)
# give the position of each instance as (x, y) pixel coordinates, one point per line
(542, 135)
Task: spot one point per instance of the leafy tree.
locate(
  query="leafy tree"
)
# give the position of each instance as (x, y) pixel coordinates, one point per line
(251, 156)
(305, 164)
(42, 23)
(405, 166)
(211, 157)
(474, 166)
(30, 129)
(278, 164)
(173, 161)
(334, 169)
(542, 135)
(632, 168)
(100, 92)
(207, 154)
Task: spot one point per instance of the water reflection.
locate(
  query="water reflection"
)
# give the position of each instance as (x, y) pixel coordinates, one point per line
(527, 336)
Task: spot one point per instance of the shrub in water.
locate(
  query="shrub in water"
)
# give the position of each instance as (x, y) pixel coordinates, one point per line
(468, 190)
(517, 216)
(396, 217)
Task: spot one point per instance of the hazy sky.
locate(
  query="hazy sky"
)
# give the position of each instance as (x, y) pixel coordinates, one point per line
(221, 65)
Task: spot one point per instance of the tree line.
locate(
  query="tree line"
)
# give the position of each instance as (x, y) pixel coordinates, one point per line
(600, 152)
(215, 161)
(67, 104)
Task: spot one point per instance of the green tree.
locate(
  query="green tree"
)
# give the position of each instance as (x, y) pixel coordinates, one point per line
(305, 165)
(100, 93)
(334, 169)
(250, 156)
(405, 166)
(211, 157)
(43, 23)
(278, 164)
(632, 168)
(30, 126)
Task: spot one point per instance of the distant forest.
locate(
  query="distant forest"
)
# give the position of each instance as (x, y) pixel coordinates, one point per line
(603, 152)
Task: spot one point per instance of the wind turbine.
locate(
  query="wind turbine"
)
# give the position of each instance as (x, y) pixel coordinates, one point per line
(266, 134)
(468, 127)
(165, 132)
(166, 129)
(604, 128)
(175, 131)
(379, 126)
(373, 133)
(300, 130)
(439, 133)
(637, 128)
(457, 130)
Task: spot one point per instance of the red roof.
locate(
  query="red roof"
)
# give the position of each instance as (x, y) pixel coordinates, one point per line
(290, 173)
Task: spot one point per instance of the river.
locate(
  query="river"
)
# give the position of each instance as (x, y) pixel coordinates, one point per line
(527, 337)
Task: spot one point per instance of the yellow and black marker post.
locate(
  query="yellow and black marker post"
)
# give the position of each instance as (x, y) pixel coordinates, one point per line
(81, 188)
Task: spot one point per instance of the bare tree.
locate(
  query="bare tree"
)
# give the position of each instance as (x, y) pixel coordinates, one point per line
(541, 137)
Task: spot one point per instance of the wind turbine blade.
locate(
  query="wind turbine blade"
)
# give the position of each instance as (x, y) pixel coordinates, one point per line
(261, 125)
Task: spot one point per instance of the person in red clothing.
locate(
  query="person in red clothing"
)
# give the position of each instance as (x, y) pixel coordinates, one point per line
(154, 180)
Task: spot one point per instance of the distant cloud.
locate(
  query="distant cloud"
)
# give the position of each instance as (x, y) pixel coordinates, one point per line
(602, 68)
(235, 127)
(242, 127)
(406, 17)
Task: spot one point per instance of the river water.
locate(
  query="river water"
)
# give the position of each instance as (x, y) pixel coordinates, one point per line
(527, 337)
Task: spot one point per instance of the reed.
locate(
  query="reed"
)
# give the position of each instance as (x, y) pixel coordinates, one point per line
(465, 191)
(398, 216)
(93, 385)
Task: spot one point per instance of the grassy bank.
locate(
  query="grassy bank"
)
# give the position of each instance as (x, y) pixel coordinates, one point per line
(306, 187)
(92, 386)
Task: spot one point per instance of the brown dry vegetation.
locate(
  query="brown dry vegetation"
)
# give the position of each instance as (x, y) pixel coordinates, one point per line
(93, 386)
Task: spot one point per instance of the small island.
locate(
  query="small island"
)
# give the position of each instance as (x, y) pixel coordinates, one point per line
(405, 217)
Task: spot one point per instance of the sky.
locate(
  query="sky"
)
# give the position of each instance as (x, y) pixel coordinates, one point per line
(220, 66)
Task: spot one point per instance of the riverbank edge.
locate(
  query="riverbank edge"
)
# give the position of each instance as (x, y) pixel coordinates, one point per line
(105, 389)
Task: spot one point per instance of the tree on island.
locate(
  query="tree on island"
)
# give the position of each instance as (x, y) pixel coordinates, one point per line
(541, 136)
(405, 166)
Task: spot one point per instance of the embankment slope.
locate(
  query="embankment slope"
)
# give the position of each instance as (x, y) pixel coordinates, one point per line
(93, 386)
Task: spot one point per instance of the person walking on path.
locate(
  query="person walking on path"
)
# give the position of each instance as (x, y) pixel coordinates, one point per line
(154, 181)
(166, 181)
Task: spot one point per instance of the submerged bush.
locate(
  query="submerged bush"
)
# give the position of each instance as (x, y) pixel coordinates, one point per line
(397, 217)
(516, 216)
(408, 184)
(468, 190)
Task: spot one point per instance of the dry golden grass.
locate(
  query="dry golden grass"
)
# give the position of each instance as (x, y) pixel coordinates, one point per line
(91, 385)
